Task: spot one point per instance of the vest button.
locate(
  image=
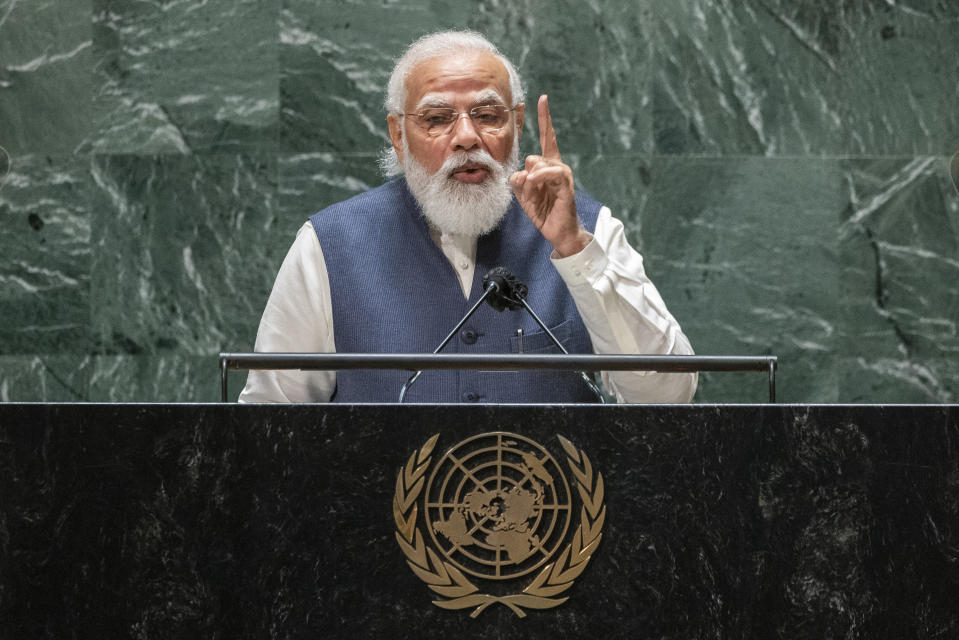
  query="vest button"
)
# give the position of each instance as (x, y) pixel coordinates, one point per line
(469, 396)
(469, 336)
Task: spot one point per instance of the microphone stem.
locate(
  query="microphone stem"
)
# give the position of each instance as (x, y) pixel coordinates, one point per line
(543, 326)
(490, 288)
(589, 381)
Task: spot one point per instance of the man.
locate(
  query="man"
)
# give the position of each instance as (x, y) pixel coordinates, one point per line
(395, 268)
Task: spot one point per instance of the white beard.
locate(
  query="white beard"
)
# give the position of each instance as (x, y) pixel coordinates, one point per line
(459, 208)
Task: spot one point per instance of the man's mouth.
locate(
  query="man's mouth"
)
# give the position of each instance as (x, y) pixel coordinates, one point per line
(471, 172)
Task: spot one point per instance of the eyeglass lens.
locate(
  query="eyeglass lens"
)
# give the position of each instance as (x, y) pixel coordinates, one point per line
(487, 118)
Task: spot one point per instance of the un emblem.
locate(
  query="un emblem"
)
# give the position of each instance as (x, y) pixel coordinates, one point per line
(497, 507)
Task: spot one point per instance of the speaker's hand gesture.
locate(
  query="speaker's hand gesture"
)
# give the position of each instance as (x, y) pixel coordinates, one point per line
(544, 188)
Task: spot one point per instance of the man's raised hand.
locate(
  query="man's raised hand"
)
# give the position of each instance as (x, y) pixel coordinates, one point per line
(544, 188)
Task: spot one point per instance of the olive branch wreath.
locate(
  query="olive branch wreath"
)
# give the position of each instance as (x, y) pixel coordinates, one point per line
(450, 583)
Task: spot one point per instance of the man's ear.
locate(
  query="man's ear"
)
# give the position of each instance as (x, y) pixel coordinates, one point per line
(396, 134)
(520, 111)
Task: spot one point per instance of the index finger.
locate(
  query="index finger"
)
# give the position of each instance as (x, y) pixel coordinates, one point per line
(547, 135)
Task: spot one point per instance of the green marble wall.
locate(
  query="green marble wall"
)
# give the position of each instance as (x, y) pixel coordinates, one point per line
(783, 166)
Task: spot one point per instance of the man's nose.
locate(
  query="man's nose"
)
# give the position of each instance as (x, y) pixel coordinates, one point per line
(465, 134)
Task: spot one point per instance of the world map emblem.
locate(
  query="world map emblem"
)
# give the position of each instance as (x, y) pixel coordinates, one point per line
(496, 509)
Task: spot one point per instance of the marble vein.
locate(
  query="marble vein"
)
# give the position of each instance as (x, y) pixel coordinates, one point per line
(914, 374)
(800, 35)
(47, 59)
(910, 173)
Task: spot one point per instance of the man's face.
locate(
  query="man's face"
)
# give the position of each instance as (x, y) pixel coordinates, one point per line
(461, 81)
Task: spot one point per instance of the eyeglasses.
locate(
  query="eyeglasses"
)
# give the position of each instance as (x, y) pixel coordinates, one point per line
(435, 121)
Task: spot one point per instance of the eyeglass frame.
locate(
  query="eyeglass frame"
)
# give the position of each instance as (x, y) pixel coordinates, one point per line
(459, 114)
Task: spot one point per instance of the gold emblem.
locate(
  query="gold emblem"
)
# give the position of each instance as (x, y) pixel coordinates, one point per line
(497, 507)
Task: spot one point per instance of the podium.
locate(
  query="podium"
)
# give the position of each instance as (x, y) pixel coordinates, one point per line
(718, 521)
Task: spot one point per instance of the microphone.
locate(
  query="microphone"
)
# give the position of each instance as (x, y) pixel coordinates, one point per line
(503, 291)
(508, 292)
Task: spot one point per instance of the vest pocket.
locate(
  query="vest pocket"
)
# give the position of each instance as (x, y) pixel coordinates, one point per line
(540, 342)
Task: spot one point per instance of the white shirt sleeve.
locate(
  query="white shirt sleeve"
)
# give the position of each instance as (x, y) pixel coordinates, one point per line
(624, 313)
(298, 318)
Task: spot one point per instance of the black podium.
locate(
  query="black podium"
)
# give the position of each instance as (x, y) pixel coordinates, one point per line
(318, 521)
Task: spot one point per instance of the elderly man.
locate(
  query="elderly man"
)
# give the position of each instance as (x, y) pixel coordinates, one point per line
(395, 268)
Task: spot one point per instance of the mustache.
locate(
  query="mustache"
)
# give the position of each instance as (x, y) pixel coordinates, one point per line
(462, 158)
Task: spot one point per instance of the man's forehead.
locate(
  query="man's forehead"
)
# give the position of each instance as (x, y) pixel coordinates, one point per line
(466, 72)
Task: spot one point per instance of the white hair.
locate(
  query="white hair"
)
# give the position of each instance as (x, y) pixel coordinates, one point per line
(428, 47)
(439, 44)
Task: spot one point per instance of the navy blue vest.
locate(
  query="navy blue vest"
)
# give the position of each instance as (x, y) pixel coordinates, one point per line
(393, 291)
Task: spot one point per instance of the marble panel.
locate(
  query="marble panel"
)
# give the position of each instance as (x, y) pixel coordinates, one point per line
(821, 78)
(744, 252)
(144, 378)
(184, 252)
(900, 78)
(746, 77)
(622, 183)
(185, 77)
(45, 242)
(895, 379)
(45, 378)
(166, 371)
(335, 60)
(593, 59)
(45, 82)
(310, 182)
(900, 279)
(186, 249)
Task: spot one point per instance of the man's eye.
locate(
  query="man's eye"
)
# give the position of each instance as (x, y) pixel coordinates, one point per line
(437, 118)
(487, 115)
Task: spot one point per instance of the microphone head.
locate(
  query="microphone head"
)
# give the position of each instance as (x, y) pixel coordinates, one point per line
(509, 292)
